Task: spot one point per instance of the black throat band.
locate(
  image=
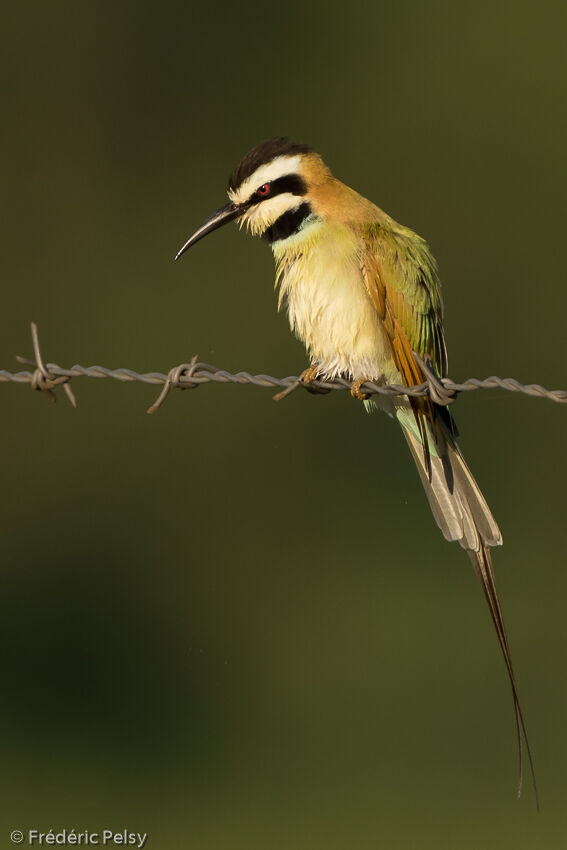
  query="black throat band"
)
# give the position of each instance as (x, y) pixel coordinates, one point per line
(288, 223)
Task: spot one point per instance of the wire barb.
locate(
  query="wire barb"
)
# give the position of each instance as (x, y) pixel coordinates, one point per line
(439, 392)
(174, 378)
(46, 377)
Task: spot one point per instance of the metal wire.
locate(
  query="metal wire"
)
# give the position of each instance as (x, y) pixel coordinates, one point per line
(45, 377)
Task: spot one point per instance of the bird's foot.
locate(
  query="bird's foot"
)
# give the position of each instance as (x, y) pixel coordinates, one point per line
(355, 389)
(306, 378)
(309, 374)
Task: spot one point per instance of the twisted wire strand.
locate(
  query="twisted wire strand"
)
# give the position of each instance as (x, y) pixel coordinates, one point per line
(45, 377)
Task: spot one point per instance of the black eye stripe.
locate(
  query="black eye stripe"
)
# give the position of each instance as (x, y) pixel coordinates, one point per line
(292, 183)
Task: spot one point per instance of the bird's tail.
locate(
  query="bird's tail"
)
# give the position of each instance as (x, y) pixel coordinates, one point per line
(462, 514)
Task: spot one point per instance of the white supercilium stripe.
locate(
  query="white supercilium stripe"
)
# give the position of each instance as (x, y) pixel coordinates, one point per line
(278, 167)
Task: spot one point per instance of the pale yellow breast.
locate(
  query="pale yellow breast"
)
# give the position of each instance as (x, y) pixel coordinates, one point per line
(328, 306)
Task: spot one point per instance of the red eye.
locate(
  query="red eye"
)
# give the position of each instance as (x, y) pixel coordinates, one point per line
(264, 190)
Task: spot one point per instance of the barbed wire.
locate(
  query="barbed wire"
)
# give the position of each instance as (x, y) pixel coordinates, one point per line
(45, 377)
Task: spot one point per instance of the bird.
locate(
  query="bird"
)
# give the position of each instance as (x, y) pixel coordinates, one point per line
(363, 294)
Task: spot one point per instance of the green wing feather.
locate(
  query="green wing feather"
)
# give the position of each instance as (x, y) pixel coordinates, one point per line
(406, 272)
(401, 278)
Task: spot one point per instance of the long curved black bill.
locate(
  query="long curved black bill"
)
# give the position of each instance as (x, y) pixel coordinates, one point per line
(217, 219)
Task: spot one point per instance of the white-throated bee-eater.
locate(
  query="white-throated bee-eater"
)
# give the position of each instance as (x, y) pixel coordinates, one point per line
(362, 293)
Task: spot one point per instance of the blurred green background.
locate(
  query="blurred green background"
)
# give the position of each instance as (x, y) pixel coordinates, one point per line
(235, 624)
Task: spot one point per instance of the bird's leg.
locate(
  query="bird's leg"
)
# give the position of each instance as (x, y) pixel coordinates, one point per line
(355, 389)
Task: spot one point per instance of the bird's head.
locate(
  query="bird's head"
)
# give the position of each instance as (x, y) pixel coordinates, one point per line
(269, 191)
